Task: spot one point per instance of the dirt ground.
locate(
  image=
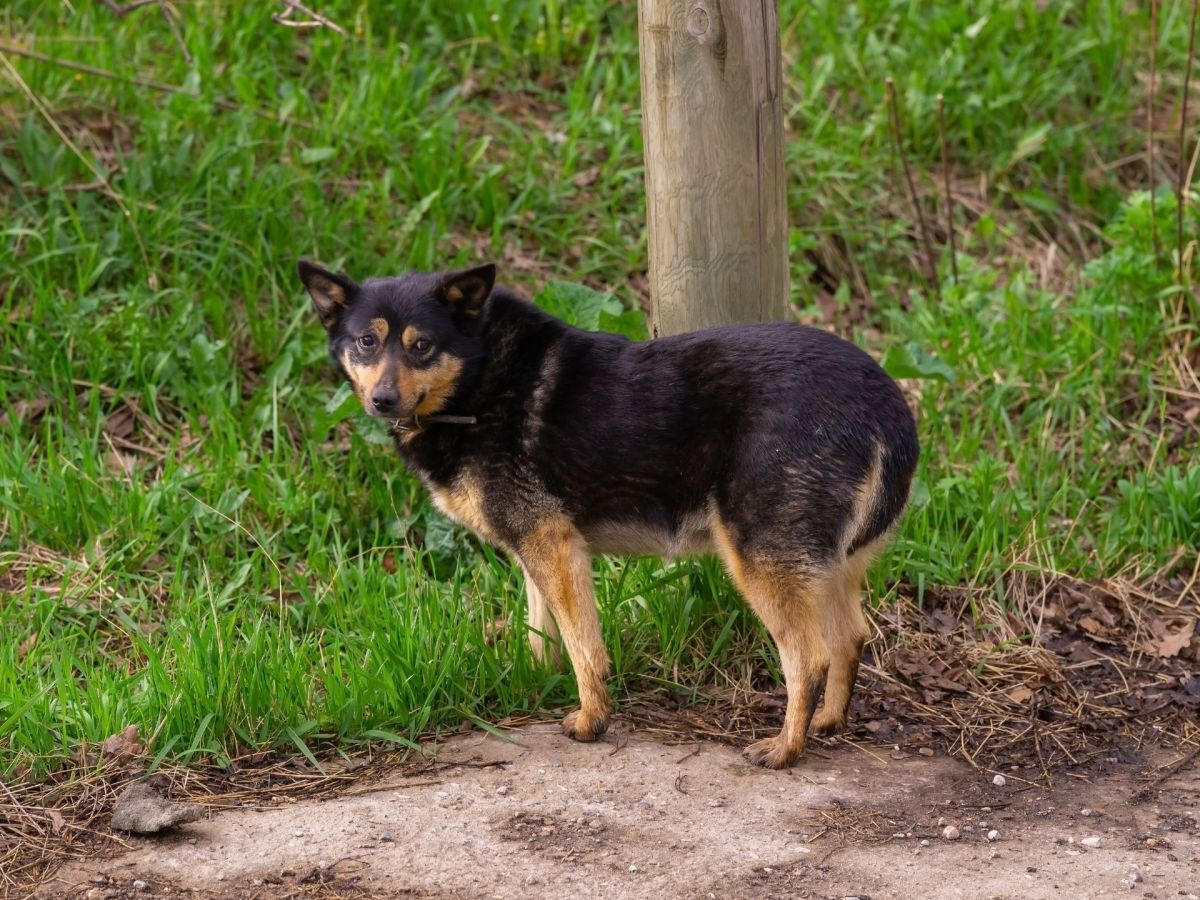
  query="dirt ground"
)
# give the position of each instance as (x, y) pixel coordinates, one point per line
(541, 816)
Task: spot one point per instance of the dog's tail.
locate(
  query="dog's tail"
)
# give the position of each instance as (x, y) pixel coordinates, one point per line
(885, 490)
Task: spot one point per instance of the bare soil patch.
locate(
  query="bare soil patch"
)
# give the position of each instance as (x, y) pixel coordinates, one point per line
(538, 815)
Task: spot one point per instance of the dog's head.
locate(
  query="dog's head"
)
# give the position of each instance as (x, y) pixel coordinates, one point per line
(406, 344)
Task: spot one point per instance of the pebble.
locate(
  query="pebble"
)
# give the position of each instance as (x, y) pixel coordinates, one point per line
(898, 834)
(502, 790)
(999, 781)
(1093, 842)
(924, 843)
(140, 885)
(386, 837)
(632, 867)
(925, 751)
(298, 833)
(941, 821)
(993, 835)
(1135, 874)
(1085, 812)
(951, 833)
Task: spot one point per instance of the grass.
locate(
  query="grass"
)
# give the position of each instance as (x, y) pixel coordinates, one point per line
(194, 537)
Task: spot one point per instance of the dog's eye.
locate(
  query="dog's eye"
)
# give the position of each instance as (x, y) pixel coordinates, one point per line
(422, 345)
(367, 342)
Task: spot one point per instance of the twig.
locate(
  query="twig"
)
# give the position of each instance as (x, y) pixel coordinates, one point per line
(931, 263)
(140, 82)
(169, 14)
(1146, 790)
(121, 11)
(949, 197)
(102, 176)
(1181, 201)
(1150, 130)
(316, 20)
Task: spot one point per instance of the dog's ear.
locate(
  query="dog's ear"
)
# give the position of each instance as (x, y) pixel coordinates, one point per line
(330, 292)
(466, 291)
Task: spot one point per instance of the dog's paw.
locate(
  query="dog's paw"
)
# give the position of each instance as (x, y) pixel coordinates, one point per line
(584, 726)
(827, 722)
(771, 754)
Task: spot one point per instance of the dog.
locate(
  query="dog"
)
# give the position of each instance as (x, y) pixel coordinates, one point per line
(784, 449)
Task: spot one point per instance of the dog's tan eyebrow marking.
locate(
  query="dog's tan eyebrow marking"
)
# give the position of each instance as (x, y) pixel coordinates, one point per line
(380, 328)
(409, 336)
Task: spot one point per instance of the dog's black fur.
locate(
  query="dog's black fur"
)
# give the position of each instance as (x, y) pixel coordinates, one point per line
(785, 448)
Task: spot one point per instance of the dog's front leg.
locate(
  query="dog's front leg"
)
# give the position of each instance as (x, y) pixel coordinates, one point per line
(543, 631)
(557, 562)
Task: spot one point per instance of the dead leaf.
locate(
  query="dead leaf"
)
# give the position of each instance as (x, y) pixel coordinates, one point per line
(26, 410)
(586, 177)
(1020, 694)
(126, 745)
(1170, 636)
(26, 645)
(57, 822)
(119, 423)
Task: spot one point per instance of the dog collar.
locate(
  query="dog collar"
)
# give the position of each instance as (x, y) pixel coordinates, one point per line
(418, 423)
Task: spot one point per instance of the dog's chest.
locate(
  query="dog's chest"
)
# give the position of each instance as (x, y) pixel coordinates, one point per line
(462, 501)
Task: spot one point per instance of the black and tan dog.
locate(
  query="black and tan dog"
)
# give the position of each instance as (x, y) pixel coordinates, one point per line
(784, 449)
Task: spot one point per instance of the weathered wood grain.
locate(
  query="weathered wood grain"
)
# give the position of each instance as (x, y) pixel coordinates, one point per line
(715, 181)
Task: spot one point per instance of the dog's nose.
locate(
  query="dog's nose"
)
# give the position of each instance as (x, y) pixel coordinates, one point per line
(385, 401)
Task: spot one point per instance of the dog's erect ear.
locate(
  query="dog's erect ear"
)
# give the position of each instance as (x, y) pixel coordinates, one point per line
(330, 292)
(466, 291)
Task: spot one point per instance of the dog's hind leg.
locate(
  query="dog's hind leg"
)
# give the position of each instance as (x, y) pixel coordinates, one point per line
(846, 631)
(790, 603)
(559, 564)
(543, 631)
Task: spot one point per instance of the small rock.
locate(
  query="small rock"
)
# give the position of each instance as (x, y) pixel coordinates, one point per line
(716, 802)
(632, 867)
(986, 809)
(1085, 812)
(298, 833)
(951, 833)
(502, 790)
(999, 781)
(941, 821)
(1093, 842)
(386, 837)
(1135, 874)
(140, 885)
(925, 751)
(993, 835)
(983, 823)
(898, 834)
(141, 810)
(924, 843)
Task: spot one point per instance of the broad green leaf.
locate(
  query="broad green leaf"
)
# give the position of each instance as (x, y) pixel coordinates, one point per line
(910, 361)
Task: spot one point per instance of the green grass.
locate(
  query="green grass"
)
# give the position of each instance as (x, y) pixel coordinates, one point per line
(193, 539)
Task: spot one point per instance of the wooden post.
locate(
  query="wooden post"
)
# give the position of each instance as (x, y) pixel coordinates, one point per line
(716, 201)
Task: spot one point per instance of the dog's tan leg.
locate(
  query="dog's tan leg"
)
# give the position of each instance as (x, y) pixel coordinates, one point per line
(543, 631)
(790, 604)
(557, 559)
(845, 633)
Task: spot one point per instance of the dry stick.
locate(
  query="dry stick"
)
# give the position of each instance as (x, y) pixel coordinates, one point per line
(102, 176)
(317, 19)
(949, 198)
(931, 263)
(122, 11)
(140, 82)
(169, 14)
(1150, 130)
(1181, 200)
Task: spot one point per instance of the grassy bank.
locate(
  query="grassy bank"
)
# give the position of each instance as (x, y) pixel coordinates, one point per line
(196, 538)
